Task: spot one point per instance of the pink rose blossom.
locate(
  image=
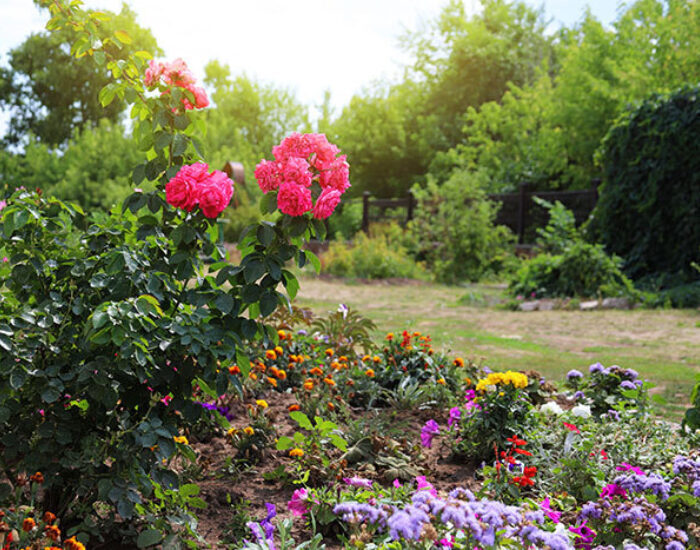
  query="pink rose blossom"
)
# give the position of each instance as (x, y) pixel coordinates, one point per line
(293, 199)
(181, 191)
(5, 259)
(336, 174)
(200, 97)
(294, 145)
(214, 194)
(326, 203)
(296, 170)
(268, 175)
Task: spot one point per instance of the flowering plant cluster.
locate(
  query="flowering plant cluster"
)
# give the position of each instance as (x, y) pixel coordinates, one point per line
(302, 160)
(252, 440)
(193, 185)
(510, 476)
(175, 74)
(607, 389)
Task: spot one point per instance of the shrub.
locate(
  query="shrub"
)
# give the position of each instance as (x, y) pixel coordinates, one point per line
(455, 232)
(371, 258)
(347, 221)
(650, 199)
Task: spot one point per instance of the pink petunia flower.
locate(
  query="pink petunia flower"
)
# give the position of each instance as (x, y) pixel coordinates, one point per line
(297, 504)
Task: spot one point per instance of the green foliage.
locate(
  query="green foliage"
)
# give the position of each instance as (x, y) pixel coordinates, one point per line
(371, 258)
(560, 232)
(346, 221)
(49, 93)
(455, 232)
(651, 190)
(345, 329)
(691, 418)
(100, 321)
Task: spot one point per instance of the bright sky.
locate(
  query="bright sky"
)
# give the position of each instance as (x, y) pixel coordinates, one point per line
(307, 46)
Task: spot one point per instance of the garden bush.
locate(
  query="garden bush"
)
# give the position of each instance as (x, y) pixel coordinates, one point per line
(105, 337)
(455, 232)
(569, 266)
(371, 258)
(650, 198)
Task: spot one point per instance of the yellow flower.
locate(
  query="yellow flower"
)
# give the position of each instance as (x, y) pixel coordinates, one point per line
(370, 373)
(261, 403)
(253, 376)
(366, 358)
(390, 336)
(459, 362)
(281, 374)
(441, 381)
(329, 352)
(271, 354)
(248, 430)
(181, 439)
(309, 384)
(297, 453)
(376, 359)
(281, 334)
(278, 350)
(232, 431)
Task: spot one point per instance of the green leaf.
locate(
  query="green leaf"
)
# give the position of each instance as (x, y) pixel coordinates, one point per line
(301, 419)
(319, 229)
(313, 260)
(224, 303)
(5, 343)
(17, 379)
(265, 234)
(284, 443)
(243, 362)
(268, 302)
(123, 37)
(189, 490)
(268, 203)
(99, 57)
(297, 226)
(338, 442)
(290, 283)
(253, 271)
(180, 143)
(106, 95)
(50, 395)
(149, 538)
(139, 174)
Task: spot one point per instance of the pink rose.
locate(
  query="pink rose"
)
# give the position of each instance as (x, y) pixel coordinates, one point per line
(181, 191)
(215, 194)
(325, 151)
(200, 97)
(326, 203)
(336, 174)
(294, 145)
(296, 170)
(294, 199)
(268, 175)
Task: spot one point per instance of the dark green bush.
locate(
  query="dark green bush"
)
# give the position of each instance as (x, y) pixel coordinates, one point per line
(455, 231)
(649, 203)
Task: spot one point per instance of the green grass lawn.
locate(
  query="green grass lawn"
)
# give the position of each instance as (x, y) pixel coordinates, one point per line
(663, 345)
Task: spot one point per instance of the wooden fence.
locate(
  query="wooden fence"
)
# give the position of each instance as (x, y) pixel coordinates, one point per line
(518, 211)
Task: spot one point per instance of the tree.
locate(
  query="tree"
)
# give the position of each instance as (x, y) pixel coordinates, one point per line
(49, 93)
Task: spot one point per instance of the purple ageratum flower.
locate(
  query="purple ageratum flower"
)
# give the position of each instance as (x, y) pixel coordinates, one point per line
(579, 395)
(358, 512)
(297, 504)
(428, 432)
(573, 373)
(627, 385)
(407, 523)
(631, 374)
(612, 414)
(302, 332)
(455, 415)
(652, 483)
(596, 367)
(358, 482)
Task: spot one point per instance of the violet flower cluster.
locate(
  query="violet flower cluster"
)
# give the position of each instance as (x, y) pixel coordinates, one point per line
(690, 467)
(223, 411)
(652, 483)
(485, 522)
(264, 532)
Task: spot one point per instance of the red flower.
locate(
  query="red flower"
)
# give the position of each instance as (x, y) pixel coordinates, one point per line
(572, 427)
(530, 471)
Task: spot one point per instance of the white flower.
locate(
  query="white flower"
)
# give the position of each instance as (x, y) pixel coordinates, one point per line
(582, 411)
(551, 407)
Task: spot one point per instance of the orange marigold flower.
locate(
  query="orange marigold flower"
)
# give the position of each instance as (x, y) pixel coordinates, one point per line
(467, 381)
(458, 362)
(272, 381)
(28, 524)
(376, 359)
(235, 369)
(329, 352)
(271, 354)
(37, 478)
(293, 359)
(329, 381)
(273, 371)
(49, 518)
(281, 374)
(370, 373)
(366, 358)
(73, 544)
(261, 403)
(278, 350)
(343, 359)
(309, 384)
(416, 334)
(294, 407)
(335, 365)
(441, 381)
(316, 371)
(296, 453)
(331, 407)
(350, 383)
(248, 430)
(390, 336)
(281, 334)
(253, 376)
(53, 532)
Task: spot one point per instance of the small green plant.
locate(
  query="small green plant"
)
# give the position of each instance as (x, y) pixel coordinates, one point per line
(345, 330)
(691, 418)
(253, 440)
(237, 527)
(311, 448)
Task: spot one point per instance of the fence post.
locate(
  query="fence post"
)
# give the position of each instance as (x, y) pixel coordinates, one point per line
(522, 211)
(365, 211)
(411, 203)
